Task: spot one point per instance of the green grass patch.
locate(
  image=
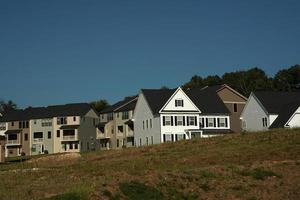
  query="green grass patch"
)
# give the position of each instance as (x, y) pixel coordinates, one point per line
(135, 190)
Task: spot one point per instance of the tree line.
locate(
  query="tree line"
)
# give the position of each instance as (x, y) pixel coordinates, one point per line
(243, 81)
(254, 79)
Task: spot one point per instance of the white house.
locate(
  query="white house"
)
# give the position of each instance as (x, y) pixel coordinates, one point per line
(163, 115)
(266, 110)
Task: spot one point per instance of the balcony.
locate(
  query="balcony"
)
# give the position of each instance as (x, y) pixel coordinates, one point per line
(69, 137)
(12, 142)
(38, 139)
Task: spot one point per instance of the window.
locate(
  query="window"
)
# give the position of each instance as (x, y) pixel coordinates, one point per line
(26, 136)
(167, 137)
(235, 109)
(110, 116)
(118, 143)
(152, 140)
(12, 124)
(192, 121)
(222, 122)
(76, 146)
(179, 137)
(265, 122)
(167, 120)
(27, 124)
(58, 133)
(37, 135)
(49, 134)
(147, 123)
(201, 122)
(61, 120)
(12, 137)
(178, 103)
(71, 146)
(150, 123)
(210, 122)
(120, 129)
(179, 121)
(74, 119)
(46, 122)
(125, 115)
(2, 127)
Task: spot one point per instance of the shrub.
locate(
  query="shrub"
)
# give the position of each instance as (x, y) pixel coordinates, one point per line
(46, 152)
(261, 174)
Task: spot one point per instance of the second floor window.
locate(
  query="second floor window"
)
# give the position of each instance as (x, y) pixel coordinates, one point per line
(61, 120)
(125, 115)
(178, 103)
(210, 122)
(179, 121)
(167, 120)
(2, 126)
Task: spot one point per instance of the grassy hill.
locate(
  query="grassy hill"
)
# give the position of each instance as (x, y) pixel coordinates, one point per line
(247, 166)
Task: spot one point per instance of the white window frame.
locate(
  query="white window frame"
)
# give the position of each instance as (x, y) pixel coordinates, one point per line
(210, 122)
(192, 121)
(179, 120)
(168, 121)
(224, 122)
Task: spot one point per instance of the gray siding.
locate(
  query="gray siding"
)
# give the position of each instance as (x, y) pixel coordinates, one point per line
(36, 146)
(253, 114)
(87, 131)
(143, 113)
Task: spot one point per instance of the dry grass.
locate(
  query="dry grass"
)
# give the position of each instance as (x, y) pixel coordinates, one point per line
(243, 166)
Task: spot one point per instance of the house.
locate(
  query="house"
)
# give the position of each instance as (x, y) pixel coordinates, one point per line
(115, 129)
(163, 115)
(2, 148)
(265, 110)
(52, 129)
(234, 101)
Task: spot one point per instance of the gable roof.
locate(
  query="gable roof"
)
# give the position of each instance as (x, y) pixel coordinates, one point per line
(156, 98)
(117, 105)
(285, 114)
(274, 101)
(218, 88)
(129, 106)
(207, 100)
(76, 109)
(284, 104)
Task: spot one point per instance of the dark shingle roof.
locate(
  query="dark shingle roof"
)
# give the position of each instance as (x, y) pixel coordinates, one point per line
(157, 98)
(285, 114)
(115, 106)
(284, 104)
(207, 101)
(79, 109)
(127, 107)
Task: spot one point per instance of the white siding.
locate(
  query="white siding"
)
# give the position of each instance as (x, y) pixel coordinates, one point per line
(295, 120)
(187, 103)
(143, 113)
(272, 118)
(252, 116)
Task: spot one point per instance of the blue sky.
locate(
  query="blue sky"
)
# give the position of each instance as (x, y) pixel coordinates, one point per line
(54, 52)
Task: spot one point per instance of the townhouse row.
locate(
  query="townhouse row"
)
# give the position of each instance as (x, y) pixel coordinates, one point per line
(52, 129)
(154, 116)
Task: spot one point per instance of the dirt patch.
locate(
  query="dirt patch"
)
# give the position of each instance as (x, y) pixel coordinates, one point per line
(57, 158)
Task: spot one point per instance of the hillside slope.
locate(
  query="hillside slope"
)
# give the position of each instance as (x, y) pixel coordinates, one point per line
(249, 166)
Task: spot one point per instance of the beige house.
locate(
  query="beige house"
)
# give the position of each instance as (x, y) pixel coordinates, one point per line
(115, 129)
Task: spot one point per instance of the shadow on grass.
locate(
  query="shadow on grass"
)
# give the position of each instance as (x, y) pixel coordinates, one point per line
(135, 190)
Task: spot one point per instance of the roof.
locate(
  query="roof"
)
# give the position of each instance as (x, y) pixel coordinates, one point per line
(13, 131)
(127, 107)
(207, 101)
(285, 114)
(76, 109)
(284, 104)
(117, 105)
(69, 127)
(273, 101)
(157, 98)
(217, 88)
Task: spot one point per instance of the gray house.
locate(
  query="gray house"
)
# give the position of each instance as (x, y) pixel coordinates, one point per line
(266, 110)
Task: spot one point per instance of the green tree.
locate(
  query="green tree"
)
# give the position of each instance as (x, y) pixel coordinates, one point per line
(99, 105)
(195, 82)
(7, 106)
(287, 79)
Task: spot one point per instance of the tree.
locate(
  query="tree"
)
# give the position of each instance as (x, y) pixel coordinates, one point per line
(7, 106)
(287, 79)
(99, 105)
(212, 80)
(195, 82)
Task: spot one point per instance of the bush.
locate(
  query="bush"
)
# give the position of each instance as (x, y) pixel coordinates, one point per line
(46, 152)
(261, 174)
(23, 153)
(136, 190)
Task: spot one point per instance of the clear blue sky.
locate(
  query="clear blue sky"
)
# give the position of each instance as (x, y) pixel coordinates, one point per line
(54, 52)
